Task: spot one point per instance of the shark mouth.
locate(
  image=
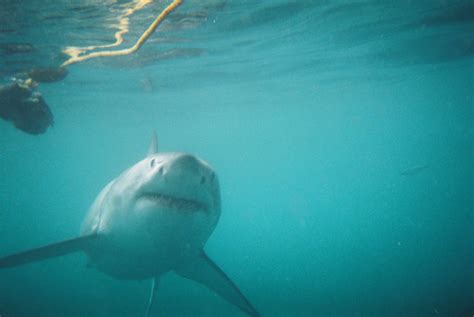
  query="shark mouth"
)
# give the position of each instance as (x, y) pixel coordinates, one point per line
(175, 202)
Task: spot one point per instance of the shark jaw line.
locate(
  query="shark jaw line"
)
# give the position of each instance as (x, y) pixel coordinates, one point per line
(176, 203)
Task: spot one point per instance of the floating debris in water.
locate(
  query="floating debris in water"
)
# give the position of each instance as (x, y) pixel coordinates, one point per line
(47, 74)
(24, 107)
(414, 170)
(147, 84)
(16, 48)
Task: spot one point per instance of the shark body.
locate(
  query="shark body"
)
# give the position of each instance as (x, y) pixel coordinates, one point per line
(152, 219)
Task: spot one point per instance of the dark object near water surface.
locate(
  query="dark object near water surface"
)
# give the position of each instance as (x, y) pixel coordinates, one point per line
(25, 108)
(16, 48)
(47, 74)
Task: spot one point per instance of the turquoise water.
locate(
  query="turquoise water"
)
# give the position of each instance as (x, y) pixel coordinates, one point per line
(315, 115)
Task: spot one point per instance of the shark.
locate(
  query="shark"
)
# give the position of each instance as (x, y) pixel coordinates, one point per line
(154, 218)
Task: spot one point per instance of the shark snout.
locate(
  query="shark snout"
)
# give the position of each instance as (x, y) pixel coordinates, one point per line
(182, 175)
(186, 162)
(189, 169)
(182, 168)
(180, 181)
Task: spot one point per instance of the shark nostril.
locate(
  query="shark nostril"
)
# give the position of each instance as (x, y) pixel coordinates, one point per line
(203, 180)
(152, 163)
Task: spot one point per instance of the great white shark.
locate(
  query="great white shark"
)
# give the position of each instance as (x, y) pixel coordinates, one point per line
(152, 219)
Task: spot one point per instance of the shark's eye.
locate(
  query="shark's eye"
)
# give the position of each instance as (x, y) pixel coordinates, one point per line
(152, 163)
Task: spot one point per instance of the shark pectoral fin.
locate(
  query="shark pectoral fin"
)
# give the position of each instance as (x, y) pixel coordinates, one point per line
(154, 288)
(46, 252)
(203, 270)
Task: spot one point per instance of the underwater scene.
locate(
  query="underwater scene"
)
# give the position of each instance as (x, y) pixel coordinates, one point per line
(236, 158)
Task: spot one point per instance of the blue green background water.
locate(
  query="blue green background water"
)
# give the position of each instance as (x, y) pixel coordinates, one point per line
(309, 111)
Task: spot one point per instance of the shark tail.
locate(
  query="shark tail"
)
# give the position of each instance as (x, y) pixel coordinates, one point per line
(48, 251)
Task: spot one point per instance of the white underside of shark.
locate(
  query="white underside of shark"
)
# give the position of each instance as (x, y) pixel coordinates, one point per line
(152, 219)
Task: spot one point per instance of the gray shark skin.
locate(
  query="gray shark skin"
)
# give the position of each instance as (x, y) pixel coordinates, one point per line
(152, 219)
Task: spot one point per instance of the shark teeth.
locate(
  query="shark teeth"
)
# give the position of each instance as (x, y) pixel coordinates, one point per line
(175, 203)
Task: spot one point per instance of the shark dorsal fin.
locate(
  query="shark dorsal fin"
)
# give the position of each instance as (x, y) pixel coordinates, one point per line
(153, 149)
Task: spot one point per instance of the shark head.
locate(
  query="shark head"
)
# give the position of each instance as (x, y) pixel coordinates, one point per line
(177, 184)
(167, 203)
